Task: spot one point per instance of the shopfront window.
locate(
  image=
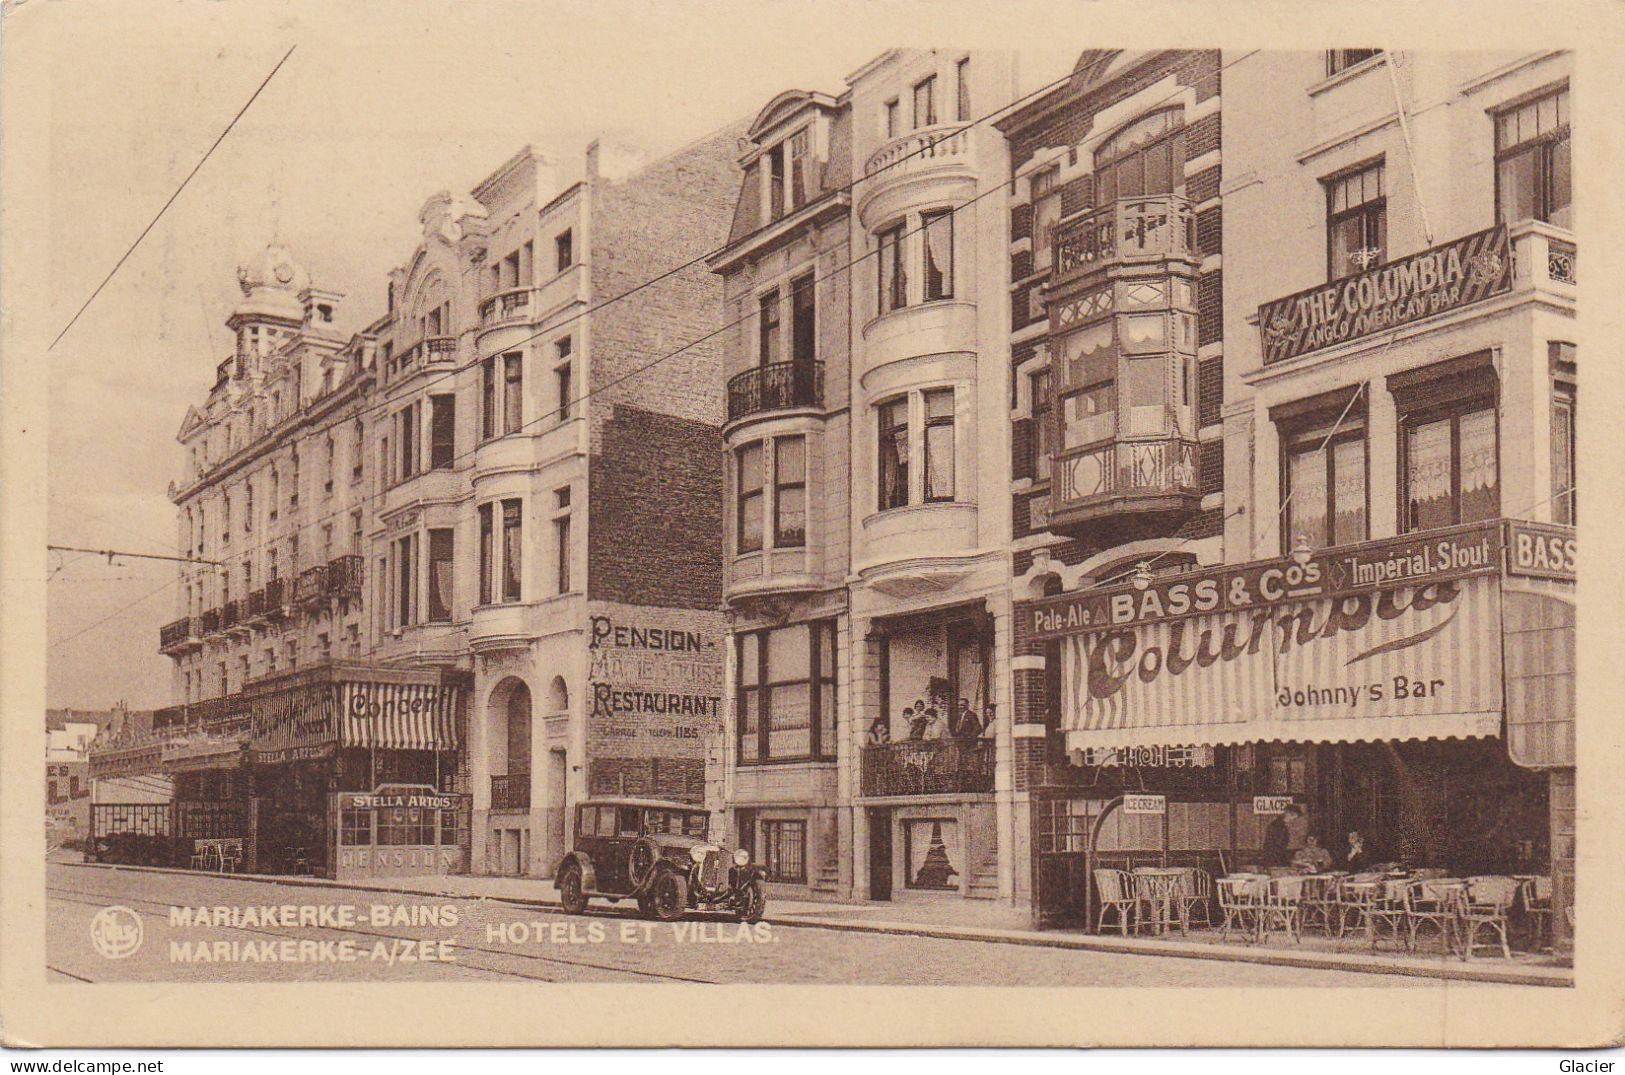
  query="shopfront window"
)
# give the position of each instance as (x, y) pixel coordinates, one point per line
(1356, 222)
(1450, 469)
(355, 828)
(786, 701)
(1533, 161)
(406, 826)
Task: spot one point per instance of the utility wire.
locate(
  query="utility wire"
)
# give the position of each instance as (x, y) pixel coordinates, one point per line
(110, 553)
(153, 223)
(166, 584)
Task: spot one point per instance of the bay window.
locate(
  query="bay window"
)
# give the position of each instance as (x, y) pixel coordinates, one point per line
(513, 392)
(749, 471)
(786, 695)
(487, 554)
(1356, 221)
(893, 453)
(563, 375)
(938, 230)
(488, 398)
(561, 539)
(939, 445)
(406, 577)
(1533, 161)
(892, 275)
(789, 492)
(440, 575)
(1043, 437)
(512, 546)
(1145, 157)
(442, 431)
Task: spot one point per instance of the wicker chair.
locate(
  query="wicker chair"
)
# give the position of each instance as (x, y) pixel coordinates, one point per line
(1241, 900)
(1319, 908)
(1488, 901)
(1537, 904)
(1116, 894)
(1196, 897)
(1435, 902)
(1283, 908)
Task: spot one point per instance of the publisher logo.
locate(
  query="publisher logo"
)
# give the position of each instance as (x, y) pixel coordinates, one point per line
(116, 932)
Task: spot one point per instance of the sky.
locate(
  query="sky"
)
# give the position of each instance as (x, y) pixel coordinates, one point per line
(380, 106)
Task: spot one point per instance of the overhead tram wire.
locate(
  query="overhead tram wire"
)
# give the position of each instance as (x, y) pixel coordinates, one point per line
(154, 222)
(384, 405)
(166, 584)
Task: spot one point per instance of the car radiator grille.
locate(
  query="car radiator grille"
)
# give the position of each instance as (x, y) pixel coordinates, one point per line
(712, 872)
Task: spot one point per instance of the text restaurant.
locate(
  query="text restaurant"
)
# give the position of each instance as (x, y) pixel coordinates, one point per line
(1404, 703)
(339, 770)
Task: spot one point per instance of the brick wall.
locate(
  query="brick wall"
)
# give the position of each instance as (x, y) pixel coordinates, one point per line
(1210, 231)
(655, 530)
(681, 779)
(1209, 391)
(1210, 307)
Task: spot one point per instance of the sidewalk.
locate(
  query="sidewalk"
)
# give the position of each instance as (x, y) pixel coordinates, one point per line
(989, 922)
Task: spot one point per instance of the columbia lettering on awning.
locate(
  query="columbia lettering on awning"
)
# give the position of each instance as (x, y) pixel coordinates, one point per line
(401, 716)
(1406, 662)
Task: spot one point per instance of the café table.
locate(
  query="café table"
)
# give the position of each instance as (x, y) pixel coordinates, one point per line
(1159, 885)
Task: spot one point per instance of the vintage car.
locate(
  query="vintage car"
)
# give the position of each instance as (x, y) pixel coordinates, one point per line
(656, 853)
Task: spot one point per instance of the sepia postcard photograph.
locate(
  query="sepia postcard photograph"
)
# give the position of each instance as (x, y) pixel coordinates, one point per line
(756, 524)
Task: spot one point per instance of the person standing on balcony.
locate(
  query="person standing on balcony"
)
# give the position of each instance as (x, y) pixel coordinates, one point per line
(879, 732)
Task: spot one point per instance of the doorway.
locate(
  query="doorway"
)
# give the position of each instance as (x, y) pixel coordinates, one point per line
(556, 810)
(880, 861)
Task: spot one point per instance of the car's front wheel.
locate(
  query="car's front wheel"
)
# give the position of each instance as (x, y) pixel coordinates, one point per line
(670, 895)
(753, 901)
(571, 894)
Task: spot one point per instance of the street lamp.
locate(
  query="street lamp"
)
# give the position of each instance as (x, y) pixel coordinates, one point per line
(1142, 575)
(1302, 552)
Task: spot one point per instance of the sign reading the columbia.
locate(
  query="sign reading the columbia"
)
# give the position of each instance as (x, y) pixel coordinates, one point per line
(1444, 277)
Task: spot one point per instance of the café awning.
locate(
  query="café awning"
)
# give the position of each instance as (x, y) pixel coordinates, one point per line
(312, 713)
(1401, 663)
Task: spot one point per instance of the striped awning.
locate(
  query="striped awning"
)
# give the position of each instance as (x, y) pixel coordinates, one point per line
(1407, 663)
(400, 716)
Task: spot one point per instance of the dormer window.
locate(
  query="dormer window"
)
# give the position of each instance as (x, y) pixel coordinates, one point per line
(789, 169)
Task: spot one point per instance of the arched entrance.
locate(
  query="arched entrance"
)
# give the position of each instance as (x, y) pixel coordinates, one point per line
(508, 728)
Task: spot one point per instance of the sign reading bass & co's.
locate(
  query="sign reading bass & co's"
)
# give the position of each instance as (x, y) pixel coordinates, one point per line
(1403, 561)
(1440, 278)
(1542, 550)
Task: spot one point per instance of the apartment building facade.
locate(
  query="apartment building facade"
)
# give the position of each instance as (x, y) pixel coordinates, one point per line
(482, 531)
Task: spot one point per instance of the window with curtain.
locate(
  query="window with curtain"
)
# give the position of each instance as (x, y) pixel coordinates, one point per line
(800, 167)
(1356, 222)
(1533, 161)
(513, 392)
(1046, 199)
(767, 308)
(488, 398)
(1450, 468)
(1146, 157)
(938, 228)
(1043, 438)
(789, 492)
(1325, 491)
(749, 471)
(1145, 397)
(406, 575)
(786, 694)
(892, 276)
(512, 549)
(892, 418)
(440, 571)
(442, 431)
(1564, 508)
(925, 102)
(939, 445)
(487, 554)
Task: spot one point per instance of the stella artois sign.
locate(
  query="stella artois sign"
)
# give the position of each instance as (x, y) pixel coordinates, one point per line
(1440, 278)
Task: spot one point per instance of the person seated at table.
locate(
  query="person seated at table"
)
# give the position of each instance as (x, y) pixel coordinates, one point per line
(1354, 858)
(1311, 856)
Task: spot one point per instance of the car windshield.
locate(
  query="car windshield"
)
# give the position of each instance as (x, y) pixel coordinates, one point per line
(675, 821)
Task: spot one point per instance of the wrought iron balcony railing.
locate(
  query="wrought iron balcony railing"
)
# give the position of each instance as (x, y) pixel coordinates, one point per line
(209, 622)
(230, 614)
(1152, 226)
(180, 633)
(276, 596)
(777, 387)
(311, 587)
(344, 576)
(928, 767)
(510, 792)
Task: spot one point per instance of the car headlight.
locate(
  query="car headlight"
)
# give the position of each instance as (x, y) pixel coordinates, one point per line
(741, 857)
(697, 852)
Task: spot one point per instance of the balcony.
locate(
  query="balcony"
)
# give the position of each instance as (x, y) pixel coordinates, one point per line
(232, 616)
(254, 607)
(209, 622)
(179, 636)
(428, 350)
(510, 792)
(1119, 480)
(928, 767)
(511, 305)
(1127, 231)
(276, 599)
(923, 150)
(344, 576)
(778, 387)
(310, 589)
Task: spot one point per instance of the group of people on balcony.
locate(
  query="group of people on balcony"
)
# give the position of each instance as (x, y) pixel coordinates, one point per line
(926, 722)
